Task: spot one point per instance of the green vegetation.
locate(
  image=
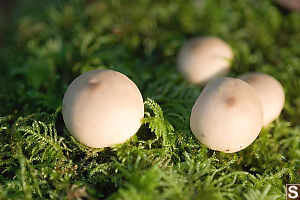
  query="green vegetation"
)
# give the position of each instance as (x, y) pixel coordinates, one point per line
(48, 43)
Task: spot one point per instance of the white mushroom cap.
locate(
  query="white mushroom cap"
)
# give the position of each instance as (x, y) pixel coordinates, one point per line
(270, 93)
(290, 4)
(102, 108)
(227, 115)
(204, 58)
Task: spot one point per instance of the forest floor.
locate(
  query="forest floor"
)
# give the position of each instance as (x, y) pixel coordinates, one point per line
(46, 44)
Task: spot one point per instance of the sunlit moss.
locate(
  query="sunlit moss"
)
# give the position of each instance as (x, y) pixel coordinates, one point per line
(49, 43)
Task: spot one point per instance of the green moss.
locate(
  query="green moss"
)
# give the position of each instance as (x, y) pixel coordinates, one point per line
(47, 45)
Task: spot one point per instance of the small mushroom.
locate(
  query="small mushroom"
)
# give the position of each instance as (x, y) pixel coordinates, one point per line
(289, 4)
(227, 115)
(204, 58)
(102, 108)
(270, 93)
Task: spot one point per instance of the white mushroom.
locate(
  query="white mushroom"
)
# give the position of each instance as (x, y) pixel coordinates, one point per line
(102, 108)
(289, 4)
(270, 93)
(202, 59)
(227, 115)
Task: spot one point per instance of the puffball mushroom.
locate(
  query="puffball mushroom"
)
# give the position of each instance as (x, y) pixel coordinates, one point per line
(270, 93)
(227, 115)
(102, 108)
(204, 58)
(290, 4)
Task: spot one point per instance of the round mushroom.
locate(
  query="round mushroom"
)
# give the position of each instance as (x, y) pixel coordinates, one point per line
(270, 93)
(204, 58)
(102, 108)
(227, 115)
(289, 4)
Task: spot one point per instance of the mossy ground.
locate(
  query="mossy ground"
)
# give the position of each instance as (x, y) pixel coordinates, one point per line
(46, 44)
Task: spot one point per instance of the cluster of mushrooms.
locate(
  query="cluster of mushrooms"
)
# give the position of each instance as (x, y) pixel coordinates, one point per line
(230, 112)
(102, 108)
